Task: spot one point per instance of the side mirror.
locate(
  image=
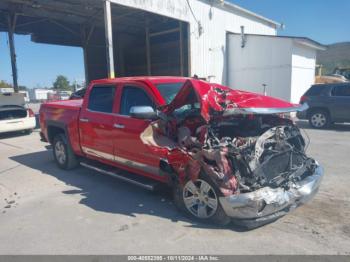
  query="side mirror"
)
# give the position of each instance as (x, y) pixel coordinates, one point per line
(143, 112)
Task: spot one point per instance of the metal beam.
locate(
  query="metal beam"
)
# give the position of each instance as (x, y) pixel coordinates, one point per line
(109, 38)
(85, 41)
(164, 32)
(66, 28)
(12, 18)
(32, 22)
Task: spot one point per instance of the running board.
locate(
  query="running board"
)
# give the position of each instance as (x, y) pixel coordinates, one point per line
(135, 180)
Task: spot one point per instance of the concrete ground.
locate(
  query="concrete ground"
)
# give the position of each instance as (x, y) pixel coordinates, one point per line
(44, 210)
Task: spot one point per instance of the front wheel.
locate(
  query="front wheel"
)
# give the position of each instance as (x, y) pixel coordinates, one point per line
(199, 200)
(63, 154)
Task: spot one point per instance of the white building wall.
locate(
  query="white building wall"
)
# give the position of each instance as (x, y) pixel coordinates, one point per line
(208, 50)
(263, 60)
(303, 70)
(39, 94)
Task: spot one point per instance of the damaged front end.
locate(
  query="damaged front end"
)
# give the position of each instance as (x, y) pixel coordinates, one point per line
(253, 155)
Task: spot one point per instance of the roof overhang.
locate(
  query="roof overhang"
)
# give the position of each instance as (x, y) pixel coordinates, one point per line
(229, 5)
(310, 43)
(305, 41)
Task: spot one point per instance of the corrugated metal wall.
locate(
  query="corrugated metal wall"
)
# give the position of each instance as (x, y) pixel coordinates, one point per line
(208, 49)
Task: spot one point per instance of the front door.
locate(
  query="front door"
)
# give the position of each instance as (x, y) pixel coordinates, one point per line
(129, 149)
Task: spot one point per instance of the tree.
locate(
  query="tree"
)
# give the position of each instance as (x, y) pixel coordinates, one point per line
(61, 83)
(4, 84)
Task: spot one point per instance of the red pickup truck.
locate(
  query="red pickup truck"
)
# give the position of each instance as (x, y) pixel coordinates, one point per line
(228, 155)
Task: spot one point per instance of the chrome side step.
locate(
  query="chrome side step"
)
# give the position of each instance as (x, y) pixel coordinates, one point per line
(138, 181)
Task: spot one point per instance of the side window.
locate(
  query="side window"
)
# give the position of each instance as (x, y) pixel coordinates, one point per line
(315, 90)
(101, 99)
(343, 90)
(134, 96)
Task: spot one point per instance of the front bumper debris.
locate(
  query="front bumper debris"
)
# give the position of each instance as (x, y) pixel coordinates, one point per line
(267, 204)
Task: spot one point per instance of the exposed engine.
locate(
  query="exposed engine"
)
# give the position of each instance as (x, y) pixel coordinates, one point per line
(240, 153)
(245, 153)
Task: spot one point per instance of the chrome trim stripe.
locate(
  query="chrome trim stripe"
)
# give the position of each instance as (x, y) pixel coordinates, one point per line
(131, 181)
(133, 164)
(263, 110)
(97, 153)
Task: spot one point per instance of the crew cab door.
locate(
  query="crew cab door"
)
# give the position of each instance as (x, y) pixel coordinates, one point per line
(129, 150)
(96, 122)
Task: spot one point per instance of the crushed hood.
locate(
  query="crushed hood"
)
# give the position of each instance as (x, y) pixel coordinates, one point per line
(216, 99)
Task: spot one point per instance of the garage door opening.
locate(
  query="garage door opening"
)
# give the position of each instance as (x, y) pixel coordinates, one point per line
(143, 44)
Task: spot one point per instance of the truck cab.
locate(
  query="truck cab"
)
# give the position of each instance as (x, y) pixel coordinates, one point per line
(106, 124)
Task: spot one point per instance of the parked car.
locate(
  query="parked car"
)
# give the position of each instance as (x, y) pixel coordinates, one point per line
(64, 95)
(78, 94)
(16, 118)
(13, 114)
(228, 155)
(328, 103)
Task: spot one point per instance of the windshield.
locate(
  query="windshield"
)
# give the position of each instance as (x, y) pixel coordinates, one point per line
(169, 90)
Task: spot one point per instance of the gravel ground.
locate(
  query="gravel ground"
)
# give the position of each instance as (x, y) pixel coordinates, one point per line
(44, 210)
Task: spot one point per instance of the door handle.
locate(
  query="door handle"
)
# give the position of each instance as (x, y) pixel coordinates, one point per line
(119, 126)
(85, 120)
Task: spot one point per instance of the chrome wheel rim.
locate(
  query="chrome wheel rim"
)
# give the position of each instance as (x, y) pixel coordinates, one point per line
(60, 152)
(318, 120)
(200, 198)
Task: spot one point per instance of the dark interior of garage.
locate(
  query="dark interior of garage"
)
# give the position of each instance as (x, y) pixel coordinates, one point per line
(143, 43)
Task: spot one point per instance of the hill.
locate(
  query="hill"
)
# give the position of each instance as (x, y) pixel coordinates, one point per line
(336, 55)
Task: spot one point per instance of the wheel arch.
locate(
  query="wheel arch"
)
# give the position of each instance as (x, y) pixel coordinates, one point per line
(318, 108)
(54, 128)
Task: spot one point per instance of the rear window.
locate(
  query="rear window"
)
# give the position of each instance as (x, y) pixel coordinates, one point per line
(315, 90)
(169, 90)
(8, 113)
(101, 99)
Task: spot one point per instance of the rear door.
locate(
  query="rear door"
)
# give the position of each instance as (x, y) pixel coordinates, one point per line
(129, 149)
(340, 99)
(96, 122)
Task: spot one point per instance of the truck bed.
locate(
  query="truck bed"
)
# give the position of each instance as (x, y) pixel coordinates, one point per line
(64, 115)
(67, 104)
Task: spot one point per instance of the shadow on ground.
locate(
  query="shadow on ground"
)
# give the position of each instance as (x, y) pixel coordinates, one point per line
(334, 127)
(13, 134)
(106, 194)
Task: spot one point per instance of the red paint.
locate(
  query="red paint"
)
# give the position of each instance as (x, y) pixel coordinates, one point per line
(31, 113)
(218, 98)
(100, 134)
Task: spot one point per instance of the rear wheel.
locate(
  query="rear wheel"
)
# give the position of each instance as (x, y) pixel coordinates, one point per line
(63, 154)
(199, 200)
(319, 119)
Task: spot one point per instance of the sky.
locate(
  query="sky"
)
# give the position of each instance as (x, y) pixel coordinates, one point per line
(326, 21)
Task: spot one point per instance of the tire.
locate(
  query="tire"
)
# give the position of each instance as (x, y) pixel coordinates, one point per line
(63, 153)
(319, 119)
(28, 131)
(214, 213)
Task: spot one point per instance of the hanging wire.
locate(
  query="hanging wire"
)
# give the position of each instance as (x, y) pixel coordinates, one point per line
(194, 16)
